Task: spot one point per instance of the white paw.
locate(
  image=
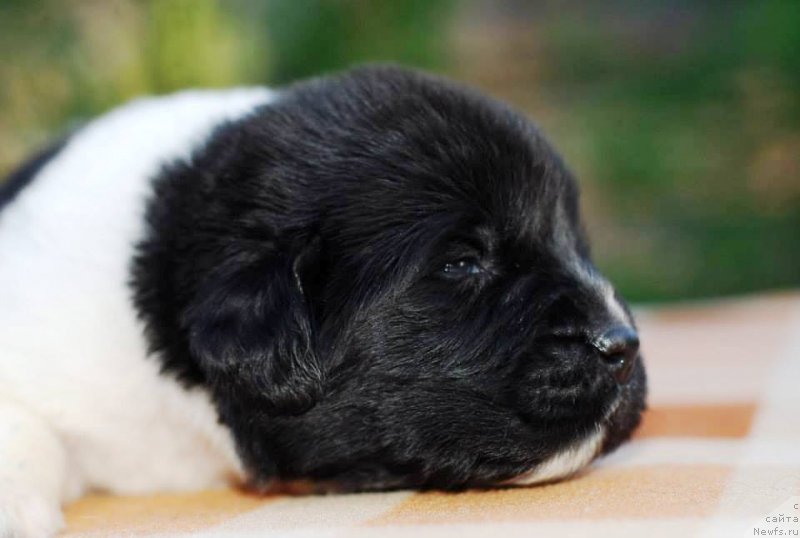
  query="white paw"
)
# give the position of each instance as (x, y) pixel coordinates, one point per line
(28, 515)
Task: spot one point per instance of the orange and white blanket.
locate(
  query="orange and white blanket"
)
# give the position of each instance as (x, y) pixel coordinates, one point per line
(718, 454)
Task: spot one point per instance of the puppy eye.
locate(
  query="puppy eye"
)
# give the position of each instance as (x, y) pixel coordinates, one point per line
(461, 268)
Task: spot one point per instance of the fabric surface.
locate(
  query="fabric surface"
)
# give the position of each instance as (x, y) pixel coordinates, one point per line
(718, 454)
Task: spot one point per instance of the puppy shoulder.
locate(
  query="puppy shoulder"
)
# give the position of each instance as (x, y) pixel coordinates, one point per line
(154, 130)
(67, 238)
(131, 142)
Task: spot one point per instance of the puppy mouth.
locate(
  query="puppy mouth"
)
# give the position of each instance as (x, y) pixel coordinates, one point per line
(578, 454)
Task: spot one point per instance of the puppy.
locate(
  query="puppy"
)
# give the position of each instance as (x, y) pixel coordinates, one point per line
(372, 280)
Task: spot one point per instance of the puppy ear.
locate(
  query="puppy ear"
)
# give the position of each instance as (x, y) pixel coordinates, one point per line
(251, 331)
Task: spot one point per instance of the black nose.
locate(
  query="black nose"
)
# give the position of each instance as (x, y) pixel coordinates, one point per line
(618, 347)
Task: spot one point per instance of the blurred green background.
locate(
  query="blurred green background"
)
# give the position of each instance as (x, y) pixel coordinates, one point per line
(681, 118)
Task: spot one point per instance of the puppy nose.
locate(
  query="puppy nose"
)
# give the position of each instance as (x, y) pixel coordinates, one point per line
(618, 347)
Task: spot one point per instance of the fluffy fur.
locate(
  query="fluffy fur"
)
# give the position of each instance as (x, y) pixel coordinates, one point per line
(372, 280)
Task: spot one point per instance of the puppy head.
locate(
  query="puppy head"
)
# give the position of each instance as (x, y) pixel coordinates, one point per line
(402, 294)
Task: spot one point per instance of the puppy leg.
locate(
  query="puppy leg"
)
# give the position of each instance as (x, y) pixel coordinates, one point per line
(33, 471)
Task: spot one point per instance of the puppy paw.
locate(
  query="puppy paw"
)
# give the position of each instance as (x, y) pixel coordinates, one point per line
(28, 515)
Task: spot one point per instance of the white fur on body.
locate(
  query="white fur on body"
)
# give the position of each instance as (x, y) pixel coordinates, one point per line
(81, 405)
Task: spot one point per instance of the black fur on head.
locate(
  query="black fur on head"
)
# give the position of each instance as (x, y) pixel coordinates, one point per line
(383, 280)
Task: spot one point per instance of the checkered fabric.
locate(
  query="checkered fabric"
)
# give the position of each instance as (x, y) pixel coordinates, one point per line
(718, 454)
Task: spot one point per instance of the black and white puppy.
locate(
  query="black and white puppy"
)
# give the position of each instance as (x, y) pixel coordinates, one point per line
(366, 281)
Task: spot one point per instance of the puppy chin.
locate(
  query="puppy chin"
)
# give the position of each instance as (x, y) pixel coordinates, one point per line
(564, 463)
(573, 457)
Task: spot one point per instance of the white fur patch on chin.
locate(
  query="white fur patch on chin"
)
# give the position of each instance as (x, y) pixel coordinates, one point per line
(564, 463)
